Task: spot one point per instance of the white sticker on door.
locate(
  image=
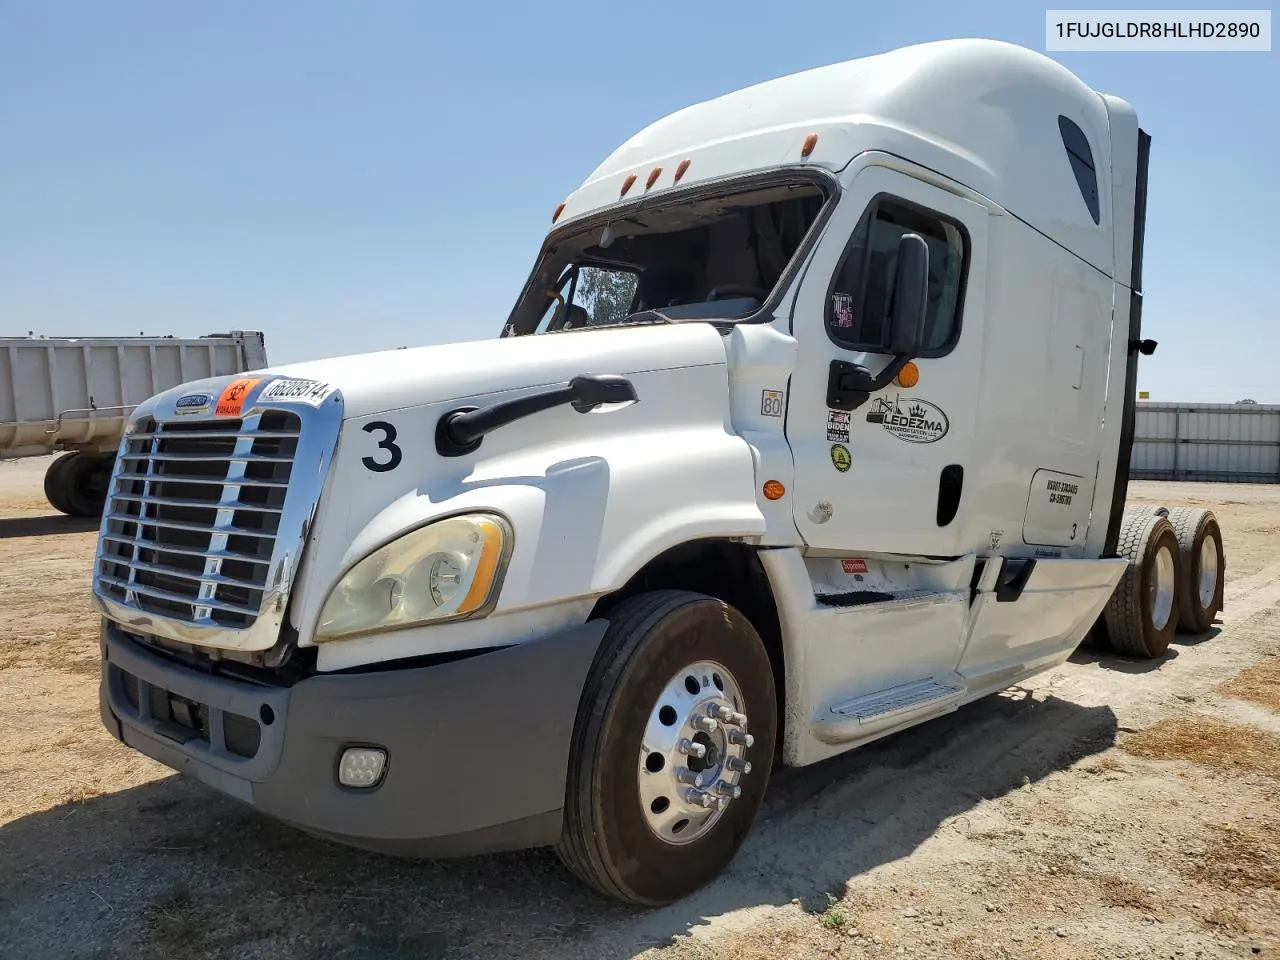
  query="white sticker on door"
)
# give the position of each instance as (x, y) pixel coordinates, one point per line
(910, 419)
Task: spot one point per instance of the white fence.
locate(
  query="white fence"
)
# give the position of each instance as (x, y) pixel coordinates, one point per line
(1223, 442)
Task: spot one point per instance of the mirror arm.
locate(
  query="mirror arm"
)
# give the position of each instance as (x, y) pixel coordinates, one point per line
(460, 431)
(850, 385)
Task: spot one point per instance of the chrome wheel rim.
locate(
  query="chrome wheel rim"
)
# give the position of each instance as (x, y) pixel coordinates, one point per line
(1208, 586)
(693, 756)
(1162, 589)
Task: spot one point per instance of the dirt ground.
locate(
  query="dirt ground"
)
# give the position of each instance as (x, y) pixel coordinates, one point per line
(1112, 808)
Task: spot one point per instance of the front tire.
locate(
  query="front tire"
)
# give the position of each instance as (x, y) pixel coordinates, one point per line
(659, 800)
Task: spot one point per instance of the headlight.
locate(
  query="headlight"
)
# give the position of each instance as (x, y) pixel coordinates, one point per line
(446, 570)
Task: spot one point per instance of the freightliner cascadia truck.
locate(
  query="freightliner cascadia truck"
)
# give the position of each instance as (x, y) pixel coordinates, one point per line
(811, 422)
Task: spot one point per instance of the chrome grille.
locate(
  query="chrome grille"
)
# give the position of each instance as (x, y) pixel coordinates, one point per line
(193, 516)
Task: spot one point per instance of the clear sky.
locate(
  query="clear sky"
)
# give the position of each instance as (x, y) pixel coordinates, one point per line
(355, 176)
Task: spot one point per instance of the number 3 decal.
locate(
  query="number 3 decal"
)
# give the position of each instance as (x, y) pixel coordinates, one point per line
(387, 443)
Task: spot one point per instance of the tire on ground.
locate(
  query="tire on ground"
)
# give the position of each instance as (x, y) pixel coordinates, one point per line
(55, 484)
(607, 841)
(1142, 614)
(1200, 590)
(85, 482)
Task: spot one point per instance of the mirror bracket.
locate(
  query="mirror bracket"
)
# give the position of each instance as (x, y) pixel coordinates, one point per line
(850, 385)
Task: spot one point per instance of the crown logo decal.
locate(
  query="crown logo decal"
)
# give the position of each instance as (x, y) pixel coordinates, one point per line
(916, 410)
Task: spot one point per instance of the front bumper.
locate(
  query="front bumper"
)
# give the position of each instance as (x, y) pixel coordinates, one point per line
(477, 748)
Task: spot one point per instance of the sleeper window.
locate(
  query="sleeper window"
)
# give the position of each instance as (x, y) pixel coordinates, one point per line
(861, 301)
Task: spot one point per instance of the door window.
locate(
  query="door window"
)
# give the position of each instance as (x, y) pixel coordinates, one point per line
(860, 303)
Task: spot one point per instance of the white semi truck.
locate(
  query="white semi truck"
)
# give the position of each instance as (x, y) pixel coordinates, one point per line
(811, 423)
(75, 394)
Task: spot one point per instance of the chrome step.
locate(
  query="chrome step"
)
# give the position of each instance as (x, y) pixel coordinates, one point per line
(861, 716)
(883, 601)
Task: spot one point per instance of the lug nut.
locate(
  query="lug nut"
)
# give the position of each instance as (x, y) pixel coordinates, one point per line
(705, 724)
(695, 750)
(700, 799)
(685, 775)
(738, 765)
(728, 790)
(738, 737)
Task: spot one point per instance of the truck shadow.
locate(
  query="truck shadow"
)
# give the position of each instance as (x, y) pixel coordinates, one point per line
(171, 869)
(50, 526)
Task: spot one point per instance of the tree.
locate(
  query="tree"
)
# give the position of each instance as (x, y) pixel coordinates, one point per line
(606, 295)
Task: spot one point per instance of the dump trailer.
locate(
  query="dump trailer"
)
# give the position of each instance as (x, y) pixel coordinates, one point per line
(76, 394)
(811, 423)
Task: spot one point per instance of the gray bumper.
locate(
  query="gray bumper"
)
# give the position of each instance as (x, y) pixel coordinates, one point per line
(478, 748)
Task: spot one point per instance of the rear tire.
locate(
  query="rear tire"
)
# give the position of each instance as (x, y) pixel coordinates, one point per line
(666, 657)
(85, 480)
(1142, 614)
(55, 484)
(1203, 567)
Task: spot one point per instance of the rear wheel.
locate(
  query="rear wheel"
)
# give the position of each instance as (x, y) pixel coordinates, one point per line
(665, 780)
(85, 481)
(55, 484)
(1142, 615)
(1203, 567)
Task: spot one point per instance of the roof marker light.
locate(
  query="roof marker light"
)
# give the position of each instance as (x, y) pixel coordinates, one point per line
(810, 142)
(627, 184)
(654, 174)
(556, 216)
(684, 165)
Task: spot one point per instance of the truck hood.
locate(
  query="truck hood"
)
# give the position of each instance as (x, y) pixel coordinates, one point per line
(394, 379)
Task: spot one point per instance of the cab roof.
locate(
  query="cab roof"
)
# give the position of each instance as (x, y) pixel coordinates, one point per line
(983, 113)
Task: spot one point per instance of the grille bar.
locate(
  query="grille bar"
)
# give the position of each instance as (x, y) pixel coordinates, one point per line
(216, 579)
(174, 596)
(192, 552)
(202, 458)
(191, 501)
(224, 529)
(219, 435)
(193, 516)
(175, 478)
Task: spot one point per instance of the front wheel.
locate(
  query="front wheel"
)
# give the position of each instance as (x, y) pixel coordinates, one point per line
(671, 750)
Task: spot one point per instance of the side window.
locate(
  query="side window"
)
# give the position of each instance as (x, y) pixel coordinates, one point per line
(860, 305)
(605, 294)
(588, 297)
(1081, 158)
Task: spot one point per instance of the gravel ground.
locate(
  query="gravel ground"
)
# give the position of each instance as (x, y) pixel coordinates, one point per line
(1111, 808)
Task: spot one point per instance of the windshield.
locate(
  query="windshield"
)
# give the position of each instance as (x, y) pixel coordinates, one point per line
(700, 257)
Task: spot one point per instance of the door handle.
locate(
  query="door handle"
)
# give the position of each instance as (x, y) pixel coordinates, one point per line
(950, 486)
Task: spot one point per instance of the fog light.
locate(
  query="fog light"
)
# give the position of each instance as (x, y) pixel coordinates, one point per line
(361, 766)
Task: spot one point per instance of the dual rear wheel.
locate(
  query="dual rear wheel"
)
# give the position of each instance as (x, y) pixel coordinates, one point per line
(1173, 583)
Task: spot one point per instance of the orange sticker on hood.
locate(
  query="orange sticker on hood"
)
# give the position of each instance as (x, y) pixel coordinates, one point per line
(232, 399)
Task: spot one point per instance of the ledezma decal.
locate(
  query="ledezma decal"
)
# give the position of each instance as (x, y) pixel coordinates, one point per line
(910, 419)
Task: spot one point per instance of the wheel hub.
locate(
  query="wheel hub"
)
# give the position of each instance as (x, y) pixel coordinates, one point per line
(693, 755)
(1162, 589)
(1208, 585)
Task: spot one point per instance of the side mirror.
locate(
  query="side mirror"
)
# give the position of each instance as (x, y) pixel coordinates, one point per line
(910, 296)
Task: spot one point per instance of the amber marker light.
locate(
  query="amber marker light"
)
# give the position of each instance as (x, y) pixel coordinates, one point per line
(909, 375)
(773, 490)
(654, 174)
(627, 184)
(556, 216)
(681, 168)
(810, 142)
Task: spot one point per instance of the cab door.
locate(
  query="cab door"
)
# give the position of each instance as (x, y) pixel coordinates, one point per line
(884, 471)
